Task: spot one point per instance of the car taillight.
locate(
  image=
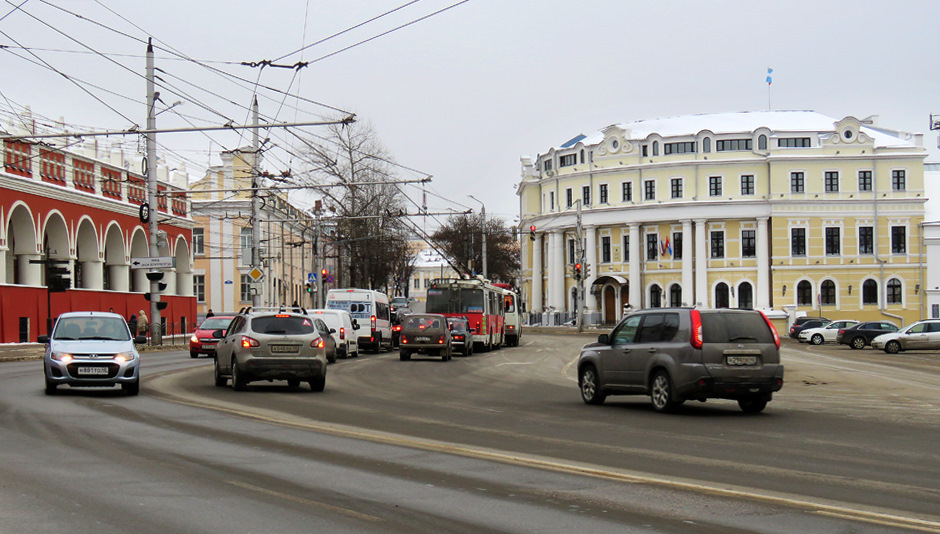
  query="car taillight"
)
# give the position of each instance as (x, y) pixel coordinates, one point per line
(440, 341)
(318, 343)
(373, 322)
(248, 342)
(696, 337)
(342, 333)
(458, 337)
(510, 327)
(842, 331)
(772, 329)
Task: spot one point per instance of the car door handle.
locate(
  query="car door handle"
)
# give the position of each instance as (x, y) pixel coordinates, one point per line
(651, 350)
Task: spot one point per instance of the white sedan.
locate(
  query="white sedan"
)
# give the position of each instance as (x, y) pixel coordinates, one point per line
(824, 334)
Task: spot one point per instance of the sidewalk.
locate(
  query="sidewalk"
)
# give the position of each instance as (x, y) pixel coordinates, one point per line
(14, 352)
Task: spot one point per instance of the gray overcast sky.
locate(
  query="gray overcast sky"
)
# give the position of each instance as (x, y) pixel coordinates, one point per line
(463, 94)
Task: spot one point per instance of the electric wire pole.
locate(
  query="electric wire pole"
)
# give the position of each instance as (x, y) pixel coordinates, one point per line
(255, 203)
(156, 332)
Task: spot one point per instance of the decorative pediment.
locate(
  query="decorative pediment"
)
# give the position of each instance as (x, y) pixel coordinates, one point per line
(615, 141)
(848, 132)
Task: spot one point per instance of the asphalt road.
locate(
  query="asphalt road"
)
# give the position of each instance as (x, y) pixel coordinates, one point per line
(498, 442)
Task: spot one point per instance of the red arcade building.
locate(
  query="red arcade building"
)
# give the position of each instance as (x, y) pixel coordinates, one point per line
(80, 207)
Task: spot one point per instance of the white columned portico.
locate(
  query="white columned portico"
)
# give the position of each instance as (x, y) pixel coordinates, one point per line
(30, 273)
(763, 264)
(688, 282)
(636, 286)
(556, 270)
(701, 262)
(93, 274)
(537, 303)
(590, 301)
(120, 274)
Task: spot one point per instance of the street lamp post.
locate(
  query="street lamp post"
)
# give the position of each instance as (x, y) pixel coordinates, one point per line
(482, 211)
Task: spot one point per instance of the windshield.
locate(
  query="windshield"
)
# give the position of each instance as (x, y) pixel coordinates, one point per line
(216, 323)
(85, 328)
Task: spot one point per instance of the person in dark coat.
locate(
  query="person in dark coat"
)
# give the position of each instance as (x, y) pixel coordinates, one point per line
(209, 314)
(132, 324)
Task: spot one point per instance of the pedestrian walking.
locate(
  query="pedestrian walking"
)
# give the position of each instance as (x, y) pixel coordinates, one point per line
(132, 324)
(142, 324)
(209, 314)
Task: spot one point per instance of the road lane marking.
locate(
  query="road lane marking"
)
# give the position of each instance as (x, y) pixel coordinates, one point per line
(305, 501)
(823, 506)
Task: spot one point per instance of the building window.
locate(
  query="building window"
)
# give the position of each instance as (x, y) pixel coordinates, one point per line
(718, 244)
(797, 184)
(727, 145)
(898, 240)
(551, 200)
(864, 180)
(571, 252)
(52, 166)
(866, 240)
(745, 296)
(869, 292)
(603, 193)
(547, 165)
(627, 191)
(244, 293)
(582, 155)
(84, 175)
(798, 242)
(678, 148)
(19, 158)
(626, 248)
(832, 181)
(586, 195)
(655, 148)
(833, 241)
(652, 247)
(605, 249)
(199, 287)
(894, 291)
(417, 284)
(199, 241)
(748, 243)
(427, 283)
(567, 160)
(677, 245)
(714, 186)
(827, 293)
(245, 244)
(645, 151)
(804, 293)
(656, 297)
(793, 142)
(675, 295)
(650, 186)
(677, 188)
(898, 180)
(747, 184)
(935, 311)
(762, 142)
(707, 145)
(569, 197)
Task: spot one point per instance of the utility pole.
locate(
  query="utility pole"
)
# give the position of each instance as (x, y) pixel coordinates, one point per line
(579, 252)
(255, 202)
(156, 331)
(483, 227)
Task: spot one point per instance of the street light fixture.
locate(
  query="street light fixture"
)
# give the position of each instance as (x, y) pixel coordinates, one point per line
(483, 212)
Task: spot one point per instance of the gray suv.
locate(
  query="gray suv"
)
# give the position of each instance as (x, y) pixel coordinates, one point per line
(679, 354)
(272, 344)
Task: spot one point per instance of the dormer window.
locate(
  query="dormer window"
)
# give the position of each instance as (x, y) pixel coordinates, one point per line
(762, 142)
(567, 160)
(655, 148)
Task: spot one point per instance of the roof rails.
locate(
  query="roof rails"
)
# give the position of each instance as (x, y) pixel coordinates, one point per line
(282, 309)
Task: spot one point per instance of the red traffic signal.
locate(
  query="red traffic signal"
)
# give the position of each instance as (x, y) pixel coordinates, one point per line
(577, 271)
(532, 232)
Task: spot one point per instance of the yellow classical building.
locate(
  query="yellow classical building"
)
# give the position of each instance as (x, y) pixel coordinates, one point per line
(778, 210)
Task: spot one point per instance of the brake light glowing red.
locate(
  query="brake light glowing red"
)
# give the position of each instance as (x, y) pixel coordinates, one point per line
(440, 341)
(248, 342)
(696, 338)
(772, 329)
(282, 315)
(373, 322)
(318, 343)
(342, 332)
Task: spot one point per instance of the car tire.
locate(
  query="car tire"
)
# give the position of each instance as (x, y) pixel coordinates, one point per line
(331, 358)
(193, 354)
(220, 381)
(355, 354)
(377, 349)
(318, 384)
(404, 355)
(892, 347)
(661, 392)
(752, 404)
(589, 384)
(858, 343)
(132, 388)
(238, 379)
(293, 383)
(51, 388)
(817, 339)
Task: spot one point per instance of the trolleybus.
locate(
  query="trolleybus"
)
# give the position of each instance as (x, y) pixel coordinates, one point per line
(477, 300)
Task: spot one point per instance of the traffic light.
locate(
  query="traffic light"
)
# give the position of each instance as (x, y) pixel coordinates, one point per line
(532, 233)
(323, 274)
(58, 277)
(587, 270)
(577, 271)
(308, 287)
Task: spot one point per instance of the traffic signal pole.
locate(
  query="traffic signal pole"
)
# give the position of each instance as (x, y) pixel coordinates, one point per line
(156, 331)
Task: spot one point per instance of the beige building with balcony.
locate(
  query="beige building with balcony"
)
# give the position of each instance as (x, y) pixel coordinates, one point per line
(785, 210)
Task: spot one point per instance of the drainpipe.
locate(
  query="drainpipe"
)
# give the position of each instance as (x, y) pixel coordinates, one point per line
(882, 301)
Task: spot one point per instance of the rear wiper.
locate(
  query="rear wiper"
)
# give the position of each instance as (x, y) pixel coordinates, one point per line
(275, 331)
(742, 338)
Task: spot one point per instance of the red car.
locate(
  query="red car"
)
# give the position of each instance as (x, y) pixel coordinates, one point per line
(202, 341)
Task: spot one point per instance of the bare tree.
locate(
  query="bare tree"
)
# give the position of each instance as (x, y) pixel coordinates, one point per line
(461, 239)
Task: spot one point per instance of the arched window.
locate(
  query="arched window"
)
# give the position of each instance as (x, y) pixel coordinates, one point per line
(870, 292)
(894, 291)
(827, 293)
(762, 142)
(655, 148)
(804, 293)
(675, 295)
(656, 297)
(721, 296)
(707, 145)
(745, 295)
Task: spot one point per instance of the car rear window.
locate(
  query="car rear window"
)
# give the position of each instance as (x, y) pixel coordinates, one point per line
(422, 322)
(735, 328)
(272, 324)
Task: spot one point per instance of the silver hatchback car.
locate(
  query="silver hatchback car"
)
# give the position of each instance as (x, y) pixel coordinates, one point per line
(272, 344)
(679, 354)
(91, 349)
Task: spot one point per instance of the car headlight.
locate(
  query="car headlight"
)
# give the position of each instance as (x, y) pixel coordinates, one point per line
(64, 357)
(122, 357)
(194, 339)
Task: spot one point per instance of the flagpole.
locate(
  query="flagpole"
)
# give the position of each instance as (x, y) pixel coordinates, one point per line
(769, 83)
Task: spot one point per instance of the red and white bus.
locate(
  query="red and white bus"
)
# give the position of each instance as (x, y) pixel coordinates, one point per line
(480, 302)
(512, 319)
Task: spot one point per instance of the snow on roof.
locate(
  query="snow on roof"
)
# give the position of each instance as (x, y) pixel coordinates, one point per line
(430, 258)
(799, 121)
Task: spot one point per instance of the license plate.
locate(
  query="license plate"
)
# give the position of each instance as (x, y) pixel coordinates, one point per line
(280, 349)
(741, 360)
(420, 339)
(208, 347)
(92, 370)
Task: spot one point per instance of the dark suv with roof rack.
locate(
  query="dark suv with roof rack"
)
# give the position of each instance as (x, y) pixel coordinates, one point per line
(679, 354)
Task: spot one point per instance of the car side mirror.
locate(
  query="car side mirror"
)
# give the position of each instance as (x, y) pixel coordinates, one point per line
(42, 339)
(332, 330)
(603, 339)
(218, 333)
(140, 340)
(355, 324)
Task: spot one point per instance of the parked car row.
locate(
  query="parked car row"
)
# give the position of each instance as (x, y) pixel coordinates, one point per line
(858, 335)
